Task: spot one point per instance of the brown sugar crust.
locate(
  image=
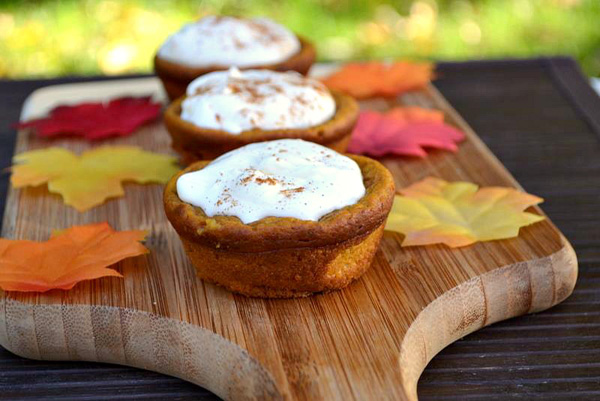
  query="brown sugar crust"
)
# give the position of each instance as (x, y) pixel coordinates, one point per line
(176, 77)
(285, 257)
(195, 143)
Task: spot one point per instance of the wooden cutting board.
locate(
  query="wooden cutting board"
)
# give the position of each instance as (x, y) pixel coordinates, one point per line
(369, 341)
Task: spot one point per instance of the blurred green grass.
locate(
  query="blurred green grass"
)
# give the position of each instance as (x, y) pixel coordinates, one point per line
(49, 38)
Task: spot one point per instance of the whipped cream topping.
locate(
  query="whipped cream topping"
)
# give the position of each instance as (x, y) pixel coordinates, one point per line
(217, 41)
(235, 101)
(283, 178)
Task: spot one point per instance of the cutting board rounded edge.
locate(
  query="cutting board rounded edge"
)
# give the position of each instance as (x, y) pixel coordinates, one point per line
(500, 294)
(144, 340)
(138, 339)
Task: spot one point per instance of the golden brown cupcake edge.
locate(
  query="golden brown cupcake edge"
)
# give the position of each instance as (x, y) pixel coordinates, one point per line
(176, 77)
(194, 143)
(285, 257)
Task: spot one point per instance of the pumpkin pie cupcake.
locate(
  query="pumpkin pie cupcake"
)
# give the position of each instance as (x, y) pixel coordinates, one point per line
(220, 42)
(284, 218)
(225, 110)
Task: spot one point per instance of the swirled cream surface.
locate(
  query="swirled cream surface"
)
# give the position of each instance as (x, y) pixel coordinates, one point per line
(235, 101)
(220, 41)
(283, 178)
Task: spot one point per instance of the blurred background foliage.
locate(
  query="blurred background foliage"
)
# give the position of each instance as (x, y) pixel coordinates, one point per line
(49, 38)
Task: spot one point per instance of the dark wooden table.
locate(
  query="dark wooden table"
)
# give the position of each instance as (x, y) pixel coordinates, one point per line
(541, 118)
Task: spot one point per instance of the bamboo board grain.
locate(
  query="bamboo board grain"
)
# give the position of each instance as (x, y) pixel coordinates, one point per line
(369, 341)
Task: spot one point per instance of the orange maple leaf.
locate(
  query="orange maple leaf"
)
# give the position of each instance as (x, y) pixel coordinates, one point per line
(372, 79)
(415, 113)
(76, 254)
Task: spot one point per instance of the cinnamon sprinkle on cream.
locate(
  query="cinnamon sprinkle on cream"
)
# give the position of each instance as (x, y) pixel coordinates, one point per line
(283, 178)
(256, 99)
(229, 41)
(269, 180)
(289, 192)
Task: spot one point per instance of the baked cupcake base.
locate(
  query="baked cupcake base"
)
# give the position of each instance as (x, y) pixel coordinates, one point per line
(285, 257)
(194, 143)
(286, 273)
(176, 77)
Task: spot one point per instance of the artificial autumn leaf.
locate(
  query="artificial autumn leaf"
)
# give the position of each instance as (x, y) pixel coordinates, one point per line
(459, 213)
(372, 79)
(88, 180)
(404, 131)
(76, 254)
(119, 117)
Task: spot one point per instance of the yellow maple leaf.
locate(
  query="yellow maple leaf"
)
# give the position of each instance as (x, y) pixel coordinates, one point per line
(460, 213)
(88, 180)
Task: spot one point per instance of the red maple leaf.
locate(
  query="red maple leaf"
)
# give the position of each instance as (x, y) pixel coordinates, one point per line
(404, 131)
(119, 117)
